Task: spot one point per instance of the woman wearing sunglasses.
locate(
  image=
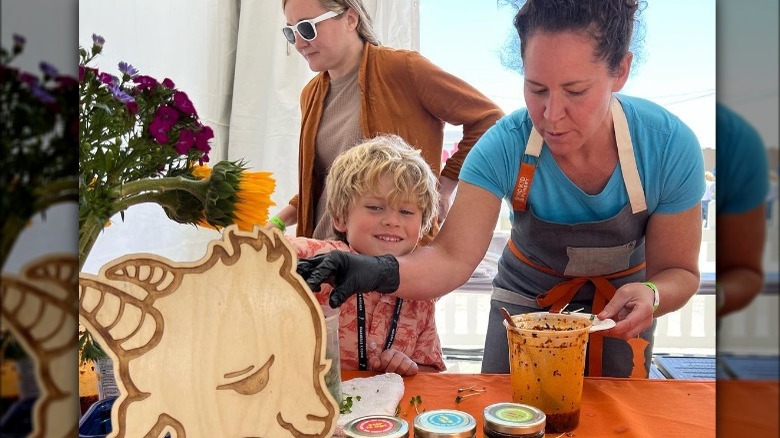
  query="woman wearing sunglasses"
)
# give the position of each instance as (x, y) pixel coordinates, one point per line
(364, 89)
(605, 190)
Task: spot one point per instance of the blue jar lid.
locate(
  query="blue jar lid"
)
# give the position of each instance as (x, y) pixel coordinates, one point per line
(444, 423)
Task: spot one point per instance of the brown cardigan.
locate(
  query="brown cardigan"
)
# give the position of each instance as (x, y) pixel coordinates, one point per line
(401, 93)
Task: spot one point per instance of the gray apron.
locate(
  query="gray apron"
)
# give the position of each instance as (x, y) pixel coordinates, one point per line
(547, 265)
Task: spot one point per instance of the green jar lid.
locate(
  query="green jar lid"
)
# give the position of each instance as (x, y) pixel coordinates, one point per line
(377, 426)
(514, 418)
(444, 423)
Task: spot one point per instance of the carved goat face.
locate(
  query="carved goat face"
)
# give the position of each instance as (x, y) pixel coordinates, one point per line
(231, 345)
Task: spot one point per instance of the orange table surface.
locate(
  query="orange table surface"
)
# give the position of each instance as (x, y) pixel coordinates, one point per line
(748, 408)
(610, 407)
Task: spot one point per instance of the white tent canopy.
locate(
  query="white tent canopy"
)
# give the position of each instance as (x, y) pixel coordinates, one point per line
(231, 58)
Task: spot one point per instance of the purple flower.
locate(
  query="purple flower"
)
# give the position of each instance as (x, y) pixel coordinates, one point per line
(119, 93)
(183, 103)
(19, 42)
(145, 82)
(186, 140)
(166, 117)
(128, 70)
(97, 43)
(108, 79)
(159, 131)
(48, 69)
(42, 94)
(202, 138)
(168, 83)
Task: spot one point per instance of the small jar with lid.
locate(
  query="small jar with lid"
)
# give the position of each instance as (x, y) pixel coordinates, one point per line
(444, 423)
(513, 420)
(376, 426)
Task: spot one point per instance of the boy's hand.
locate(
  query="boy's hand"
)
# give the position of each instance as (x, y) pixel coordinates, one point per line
(393, 361)
(350, 273)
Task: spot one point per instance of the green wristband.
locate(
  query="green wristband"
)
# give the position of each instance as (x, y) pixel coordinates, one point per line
(656, 297)
(278, 222)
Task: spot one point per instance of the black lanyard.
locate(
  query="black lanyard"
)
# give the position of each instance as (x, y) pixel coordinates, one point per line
(361, 319)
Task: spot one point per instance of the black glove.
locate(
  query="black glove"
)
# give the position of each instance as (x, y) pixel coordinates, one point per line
(351, 273)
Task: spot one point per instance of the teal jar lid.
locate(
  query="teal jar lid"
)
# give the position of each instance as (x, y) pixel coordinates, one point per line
(377, 426)
(444, 423)
(514, 419)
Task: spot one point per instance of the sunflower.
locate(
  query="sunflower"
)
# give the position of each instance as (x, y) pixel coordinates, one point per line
(235, 196)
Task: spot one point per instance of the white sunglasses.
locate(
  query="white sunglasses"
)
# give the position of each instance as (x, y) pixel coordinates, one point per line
(306, 28)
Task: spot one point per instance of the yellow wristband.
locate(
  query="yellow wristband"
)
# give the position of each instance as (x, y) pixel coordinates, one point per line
(278, 222)
(656, 297)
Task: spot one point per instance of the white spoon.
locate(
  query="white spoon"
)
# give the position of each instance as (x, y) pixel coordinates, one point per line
(598, 325)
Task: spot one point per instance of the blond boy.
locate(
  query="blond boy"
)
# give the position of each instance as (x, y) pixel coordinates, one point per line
(382, 196)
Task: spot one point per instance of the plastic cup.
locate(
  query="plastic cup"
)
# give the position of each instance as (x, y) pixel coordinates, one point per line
(333, 376)
(547, 365)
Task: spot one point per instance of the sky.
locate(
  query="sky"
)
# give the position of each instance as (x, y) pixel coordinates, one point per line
(676, 68)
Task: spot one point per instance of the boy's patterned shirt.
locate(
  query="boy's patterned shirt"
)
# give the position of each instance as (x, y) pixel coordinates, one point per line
(416, 334)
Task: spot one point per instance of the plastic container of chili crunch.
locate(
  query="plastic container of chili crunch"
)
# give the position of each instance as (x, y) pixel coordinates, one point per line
(513, 420)
(444, 423)
(377, 426)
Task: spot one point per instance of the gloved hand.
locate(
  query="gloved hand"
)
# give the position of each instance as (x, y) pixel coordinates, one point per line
(351, 273)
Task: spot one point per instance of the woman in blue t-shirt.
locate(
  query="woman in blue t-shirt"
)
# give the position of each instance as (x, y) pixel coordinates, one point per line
(743, 183)
(605, 192)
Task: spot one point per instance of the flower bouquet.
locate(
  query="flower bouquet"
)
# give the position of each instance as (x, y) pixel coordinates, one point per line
(141, 140)
(39, 122)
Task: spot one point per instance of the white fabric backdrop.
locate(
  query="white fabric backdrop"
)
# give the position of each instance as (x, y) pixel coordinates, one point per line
(231, 58)
(39, 21)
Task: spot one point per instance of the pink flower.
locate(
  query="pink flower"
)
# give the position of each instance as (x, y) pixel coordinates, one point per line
(144, 82)
(132, 107)
(83, 71)
(65, 81)
(28, 79)
(108, 79)
(183, 103)
(186, 140)
(159, 131)
(202, 138)
(166, 117)
(168, 83)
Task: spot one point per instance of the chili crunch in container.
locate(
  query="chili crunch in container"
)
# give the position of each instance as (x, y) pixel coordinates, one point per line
(444, 423)
(513, 420)
(377, 426)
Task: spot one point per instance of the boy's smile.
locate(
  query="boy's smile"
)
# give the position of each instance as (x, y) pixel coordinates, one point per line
(376, 226)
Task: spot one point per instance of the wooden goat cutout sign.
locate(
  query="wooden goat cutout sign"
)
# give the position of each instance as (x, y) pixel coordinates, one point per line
(38, 308)
(232, 345)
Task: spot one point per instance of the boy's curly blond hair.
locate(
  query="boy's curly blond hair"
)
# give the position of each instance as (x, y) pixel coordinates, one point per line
(357, 172)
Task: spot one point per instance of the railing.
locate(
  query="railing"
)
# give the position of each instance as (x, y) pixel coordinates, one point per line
(461, 316)
(754, 330)
(461, 319)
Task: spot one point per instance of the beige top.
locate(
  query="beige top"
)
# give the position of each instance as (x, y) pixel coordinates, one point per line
(339, 131)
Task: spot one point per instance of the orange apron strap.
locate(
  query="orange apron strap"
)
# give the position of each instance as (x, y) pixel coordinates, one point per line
(523, 186)
(533, 149)
(528, 261)
(560, 294)
(638, 347)
(604, 292)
